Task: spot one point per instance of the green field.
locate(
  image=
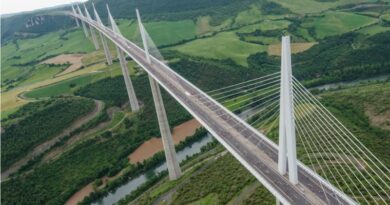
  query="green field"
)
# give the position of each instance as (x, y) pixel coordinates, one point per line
(42, 72)
(335, 23)
(315, 6)
(18, 59)
(249, 16)
(162, 32)
(69, 86)
(222, 46)
(374, 29)
(265, 26)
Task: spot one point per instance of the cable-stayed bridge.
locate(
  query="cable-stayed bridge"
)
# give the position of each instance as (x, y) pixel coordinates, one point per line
(335, 167)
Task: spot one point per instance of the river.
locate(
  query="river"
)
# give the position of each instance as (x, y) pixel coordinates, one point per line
(133, 184)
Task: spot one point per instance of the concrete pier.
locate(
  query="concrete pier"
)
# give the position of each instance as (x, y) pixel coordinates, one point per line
(103, 38)
(77, 21)
(166, 135)
(93, 34)
(83, 23)
(125, 72)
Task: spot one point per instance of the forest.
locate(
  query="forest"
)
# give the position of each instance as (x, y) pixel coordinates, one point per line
(21, 137)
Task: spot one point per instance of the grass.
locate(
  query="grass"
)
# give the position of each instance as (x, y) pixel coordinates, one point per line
(222, 46)
(248, 16)
(386, 17)
(335, 23)
(203, 25)
(162, 32)
(210, 199)
(314, 6)
(374, 29)
(64, 87)
(69, 86)
(265, 26)
(42, 72)
(295, 48)
(19, 59)
(10, 99)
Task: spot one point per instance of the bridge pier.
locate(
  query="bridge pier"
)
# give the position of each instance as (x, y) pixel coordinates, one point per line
(125, 71)
(287, 141)
(169, 148)
(83, 23)
(166, 136)
(104, 40)
(77, 21)
(93, 34)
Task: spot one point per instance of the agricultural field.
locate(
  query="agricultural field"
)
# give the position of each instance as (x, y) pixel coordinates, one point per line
(162, 33)
(335, 23)
(310, 6)
(222, 46)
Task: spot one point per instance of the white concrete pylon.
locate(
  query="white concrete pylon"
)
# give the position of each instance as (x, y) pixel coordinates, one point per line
(169, 148)
(143, 35)
(93, 34)
(125, 72)
(77, 21)
(287, 141)
(104, 40)
(82, 22)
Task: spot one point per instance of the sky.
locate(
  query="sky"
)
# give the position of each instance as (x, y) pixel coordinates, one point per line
(14, 6)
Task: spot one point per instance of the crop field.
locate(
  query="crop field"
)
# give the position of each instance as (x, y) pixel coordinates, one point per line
(69, 86)
(11, 100)
(311, 6)
(335, 23)
(374, 29)
(249, 16)
(203, 25)
(265, 26)
(162, 32)
(27, 52)
(222, 46)
(275, 49)
(42, 72)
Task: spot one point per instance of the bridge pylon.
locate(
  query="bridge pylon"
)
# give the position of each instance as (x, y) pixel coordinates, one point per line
(77, 21)
(287, 141)
(82, 22)
(93, 34)
(169, 148)
(123, 63)
(104, 40)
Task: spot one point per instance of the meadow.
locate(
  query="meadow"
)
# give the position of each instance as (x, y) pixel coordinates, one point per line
(224, 45)
(335, 23)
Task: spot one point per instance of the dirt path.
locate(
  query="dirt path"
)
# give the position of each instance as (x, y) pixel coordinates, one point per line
(46, 145)
(73, 59)
(154, 145)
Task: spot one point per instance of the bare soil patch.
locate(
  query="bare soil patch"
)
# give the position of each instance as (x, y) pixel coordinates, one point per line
(80, 195)
(154, 145)
(275, 49)
(378, 119)
(73, 59)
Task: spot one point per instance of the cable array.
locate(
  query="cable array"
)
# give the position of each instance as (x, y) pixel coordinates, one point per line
(339, 155)
(256, 100)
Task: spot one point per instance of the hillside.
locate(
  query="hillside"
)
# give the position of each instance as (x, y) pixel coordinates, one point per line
(212, 44)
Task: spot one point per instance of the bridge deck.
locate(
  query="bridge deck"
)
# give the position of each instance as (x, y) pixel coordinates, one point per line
(258, 154)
